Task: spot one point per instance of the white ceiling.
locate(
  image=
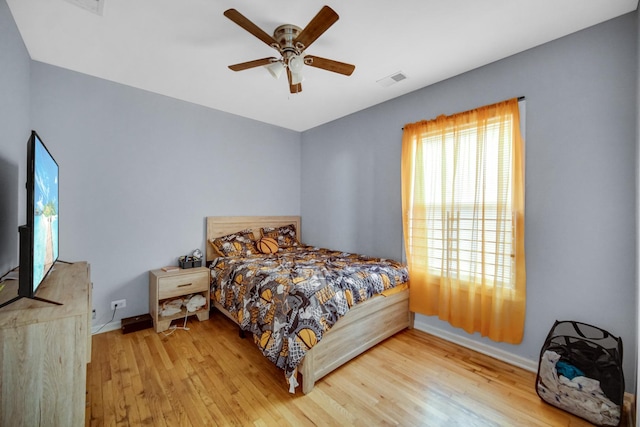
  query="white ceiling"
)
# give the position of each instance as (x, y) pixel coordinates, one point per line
(181, 48)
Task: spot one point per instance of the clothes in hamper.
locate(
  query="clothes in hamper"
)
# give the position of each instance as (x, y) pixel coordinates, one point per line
(581, 396)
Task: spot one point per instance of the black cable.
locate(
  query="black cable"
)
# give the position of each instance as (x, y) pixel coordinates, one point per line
(114, 315)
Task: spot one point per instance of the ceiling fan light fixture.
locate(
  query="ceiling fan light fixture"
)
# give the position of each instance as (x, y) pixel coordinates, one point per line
(275, 69)
(296, 62)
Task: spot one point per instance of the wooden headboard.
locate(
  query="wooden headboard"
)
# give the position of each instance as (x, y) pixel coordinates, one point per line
(222, 225)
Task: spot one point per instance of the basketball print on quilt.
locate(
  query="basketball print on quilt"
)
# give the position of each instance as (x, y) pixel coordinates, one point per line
(285, 236)
(235, 244)
(267, 245)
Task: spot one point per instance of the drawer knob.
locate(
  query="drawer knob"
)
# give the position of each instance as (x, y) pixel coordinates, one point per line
(184, 285)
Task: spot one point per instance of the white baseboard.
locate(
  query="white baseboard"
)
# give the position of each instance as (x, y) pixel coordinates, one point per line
(99, 329)
(512, 359)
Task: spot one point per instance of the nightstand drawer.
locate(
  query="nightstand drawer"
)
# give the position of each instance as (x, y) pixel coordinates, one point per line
(182, 284)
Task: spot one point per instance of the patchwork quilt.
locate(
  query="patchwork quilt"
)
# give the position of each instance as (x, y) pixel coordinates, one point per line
(290, 299)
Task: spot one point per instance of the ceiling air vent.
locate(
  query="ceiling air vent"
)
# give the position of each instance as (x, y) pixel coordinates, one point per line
(392, 79)
(95, 6)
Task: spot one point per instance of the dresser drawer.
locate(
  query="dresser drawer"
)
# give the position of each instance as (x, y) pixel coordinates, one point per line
(182, 284)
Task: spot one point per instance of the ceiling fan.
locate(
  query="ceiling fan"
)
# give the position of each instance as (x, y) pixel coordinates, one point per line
(291, 42)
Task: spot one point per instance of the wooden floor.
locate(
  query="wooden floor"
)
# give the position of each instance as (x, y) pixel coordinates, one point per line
(210, 376)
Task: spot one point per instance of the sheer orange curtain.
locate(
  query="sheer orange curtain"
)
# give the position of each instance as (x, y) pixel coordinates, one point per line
(463, 218)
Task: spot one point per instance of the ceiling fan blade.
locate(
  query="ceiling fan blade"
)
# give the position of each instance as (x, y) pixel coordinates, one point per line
(318, 25)
(252, 64)
(297, 88)
(329, 65)
(245, 23)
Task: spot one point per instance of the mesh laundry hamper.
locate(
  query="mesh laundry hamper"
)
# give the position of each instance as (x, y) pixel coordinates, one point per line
(580, 371)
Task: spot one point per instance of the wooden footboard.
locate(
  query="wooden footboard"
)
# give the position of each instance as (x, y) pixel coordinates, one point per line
(364, 326)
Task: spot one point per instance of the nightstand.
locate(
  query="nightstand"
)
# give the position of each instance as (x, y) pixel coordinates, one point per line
(166, 285)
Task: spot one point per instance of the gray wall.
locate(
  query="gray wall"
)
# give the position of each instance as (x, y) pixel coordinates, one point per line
(580, 178)
(14, 132)
(139, 172)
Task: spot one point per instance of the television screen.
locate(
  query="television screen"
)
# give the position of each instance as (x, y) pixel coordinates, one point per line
(43, 220)
(39, 236)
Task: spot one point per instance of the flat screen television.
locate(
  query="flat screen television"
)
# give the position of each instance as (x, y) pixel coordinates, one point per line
(39, 238)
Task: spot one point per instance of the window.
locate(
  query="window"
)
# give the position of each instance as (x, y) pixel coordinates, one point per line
(463, 215)
(467, 233)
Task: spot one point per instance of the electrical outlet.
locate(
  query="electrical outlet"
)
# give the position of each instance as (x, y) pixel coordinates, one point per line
(93, 315)
(121, 303)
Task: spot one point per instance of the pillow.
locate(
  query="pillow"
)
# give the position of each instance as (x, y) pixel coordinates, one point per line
(235, 244)
(285, 235)
(267, 245)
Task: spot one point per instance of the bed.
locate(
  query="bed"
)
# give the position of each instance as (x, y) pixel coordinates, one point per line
(364, 324)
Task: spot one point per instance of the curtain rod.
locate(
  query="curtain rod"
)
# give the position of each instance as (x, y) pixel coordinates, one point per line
(520, 98)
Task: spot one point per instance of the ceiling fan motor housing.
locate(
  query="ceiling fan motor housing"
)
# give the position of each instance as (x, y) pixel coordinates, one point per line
(285, 35)
(291, 54)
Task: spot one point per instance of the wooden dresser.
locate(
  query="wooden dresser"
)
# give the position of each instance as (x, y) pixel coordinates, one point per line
(44, 350)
